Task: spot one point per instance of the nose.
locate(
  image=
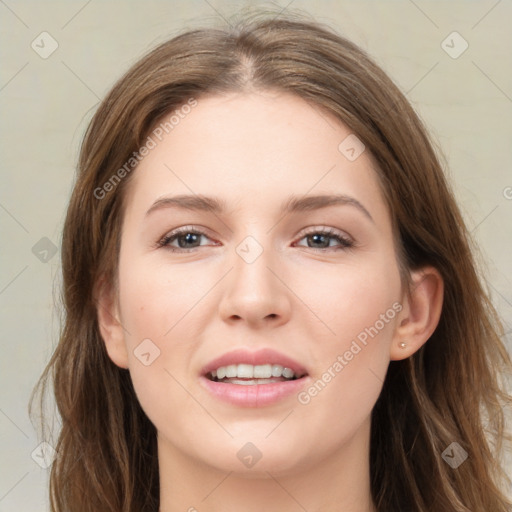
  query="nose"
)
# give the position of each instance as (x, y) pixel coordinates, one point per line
(255, 292)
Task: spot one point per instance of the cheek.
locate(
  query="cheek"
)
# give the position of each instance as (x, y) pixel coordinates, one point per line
(156, 299)
(348, 298)
(159, 349)
(359, 311)
(162, 319)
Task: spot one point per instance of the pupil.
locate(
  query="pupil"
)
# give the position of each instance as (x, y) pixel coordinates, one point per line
(189, 237)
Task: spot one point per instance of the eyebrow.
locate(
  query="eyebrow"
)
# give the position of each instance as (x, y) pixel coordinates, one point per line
(293, 204)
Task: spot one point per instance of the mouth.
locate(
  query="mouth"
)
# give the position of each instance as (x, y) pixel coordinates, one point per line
(253, 379)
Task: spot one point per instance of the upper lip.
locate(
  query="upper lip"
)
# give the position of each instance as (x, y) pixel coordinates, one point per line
(263, 356)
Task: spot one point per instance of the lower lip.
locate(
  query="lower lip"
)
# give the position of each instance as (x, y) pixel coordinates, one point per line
(256, 395)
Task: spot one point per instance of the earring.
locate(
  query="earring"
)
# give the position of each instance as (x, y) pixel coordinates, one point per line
(402, 344)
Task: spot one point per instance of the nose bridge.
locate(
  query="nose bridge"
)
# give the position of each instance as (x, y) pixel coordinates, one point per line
(252, 259)
(253, 292)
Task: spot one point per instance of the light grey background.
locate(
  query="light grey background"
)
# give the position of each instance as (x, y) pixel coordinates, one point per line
(46, 103)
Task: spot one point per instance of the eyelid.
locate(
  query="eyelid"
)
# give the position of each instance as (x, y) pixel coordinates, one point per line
(325, 230)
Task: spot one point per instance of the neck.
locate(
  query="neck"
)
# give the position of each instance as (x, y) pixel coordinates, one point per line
(340, 482)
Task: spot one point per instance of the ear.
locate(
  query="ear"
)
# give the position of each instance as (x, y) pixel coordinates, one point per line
(420, 315)
(109, 324)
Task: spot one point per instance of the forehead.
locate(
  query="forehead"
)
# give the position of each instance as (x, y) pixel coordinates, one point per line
(250, 149)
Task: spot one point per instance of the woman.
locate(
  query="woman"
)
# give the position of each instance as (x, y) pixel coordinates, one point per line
(271, 300)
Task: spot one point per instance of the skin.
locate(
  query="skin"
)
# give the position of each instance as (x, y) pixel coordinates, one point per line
(254, 150)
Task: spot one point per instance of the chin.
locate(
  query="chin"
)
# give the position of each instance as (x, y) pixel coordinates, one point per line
(256, 460)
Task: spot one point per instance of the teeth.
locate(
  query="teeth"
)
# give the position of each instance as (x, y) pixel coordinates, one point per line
(252, 382)
(244, 371)
(231, 370)
(248, 371)
(277, 370)
(263, 371)
(287, 373)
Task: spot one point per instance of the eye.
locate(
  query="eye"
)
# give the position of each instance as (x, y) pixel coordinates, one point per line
(321, 238)
(187, 238)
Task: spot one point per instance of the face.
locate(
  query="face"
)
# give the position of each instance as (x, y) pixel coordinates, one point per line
(259, 275)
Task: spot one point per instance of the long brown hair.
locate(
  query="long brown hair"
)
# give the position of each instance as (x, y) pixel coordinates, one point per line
(449, 391)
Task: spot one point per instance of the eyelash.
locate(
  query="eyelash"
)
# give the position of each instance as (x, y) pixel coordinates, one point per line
(345, 242)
